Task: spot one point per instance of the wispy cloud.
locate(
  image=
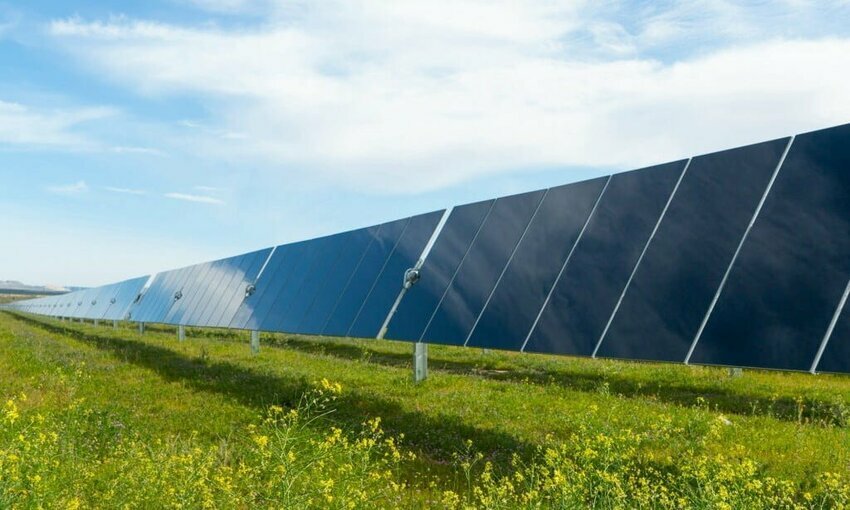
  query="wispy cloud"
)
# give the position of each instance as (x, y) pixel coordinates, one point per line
(459, 91)
(200, 199)
(137, 150)
(76, 188)
(127, 191)
(25, 126)
(208, 189)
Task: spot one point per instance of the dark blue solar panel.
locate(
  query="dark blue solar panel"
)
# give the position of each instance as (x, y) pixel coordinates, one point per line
(305, 255)
(479, 271)
(361, 281)
(793, 267)
(688, 256)
(327, 250)
(515, 303)
(216, 298)
(231, 305)
(836, 355)
(355, 245)
(195, 279)
(270, 286)
(436, 273)
(590, 285)
(387, 287)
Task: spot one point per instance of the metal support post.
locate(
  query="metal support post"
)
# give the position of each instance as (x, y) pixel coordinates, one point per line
(181, 333)
(96, 322)
(420, 361)
(141, 328)
(114, 324)
(255, 342)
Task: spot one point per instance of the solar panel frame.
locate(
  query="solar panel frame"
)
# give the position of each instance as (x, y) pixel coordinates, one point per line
(590, 285)
(454, 317)
(792, 269)
(249, 277)
(515, 303)
(214, 298)
(440, 266)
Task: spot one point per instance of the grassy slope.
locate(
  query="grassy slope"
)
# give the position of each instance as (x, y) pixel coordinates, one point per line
(794, 425)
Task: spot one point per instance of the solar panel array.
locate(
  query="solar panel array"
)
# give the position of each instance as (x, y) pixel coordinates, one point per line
(737, 258)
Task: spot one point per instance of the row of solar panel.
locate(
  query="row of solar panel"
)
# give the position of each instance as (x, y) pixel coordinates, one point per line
(342, 284)
(737, 258)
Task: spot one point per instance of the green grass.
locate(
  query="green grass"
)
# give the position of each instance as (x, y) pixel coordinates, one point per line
(794, 427)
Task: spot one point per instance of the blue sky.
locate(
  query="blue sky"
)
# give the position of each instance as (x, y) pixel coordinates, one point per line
(141, 136)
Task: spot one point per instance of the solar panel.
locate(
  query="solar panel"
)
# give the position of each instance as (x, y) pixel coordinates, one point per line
(684, 264)
(794, 265)
(126, 293)
(360, 283)
(387, 286)
(303, 260)
(739, 258)
(328, 252)
(219, 312)
(836, 355)
(514, 304)
(188, 290)
(582, 300)
(339, 273)
(448, 252)
(478, 273)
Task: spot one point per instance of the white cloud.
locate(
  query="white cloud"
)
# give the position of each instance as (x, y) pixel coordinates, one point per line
(76, 188)
(126, 191)
(208, 189)
(201, 199)
(379, 94)
(25, 126)
(137, 150)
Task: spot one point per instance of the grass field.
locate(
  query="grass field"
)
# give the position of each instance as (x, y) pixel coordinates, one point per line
(96, 417)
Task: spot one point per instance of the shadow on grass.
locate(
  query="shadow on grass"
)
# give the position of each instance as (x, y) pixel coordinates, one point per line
(437, 437)
(681, 392)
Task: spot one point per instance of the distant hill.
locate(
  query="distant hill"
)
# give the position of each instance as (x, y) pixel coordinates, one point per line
(16, 287)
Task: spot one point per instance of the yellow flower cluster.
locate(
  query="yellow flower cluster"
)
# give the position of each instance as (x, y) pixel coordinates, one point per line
(299, 458)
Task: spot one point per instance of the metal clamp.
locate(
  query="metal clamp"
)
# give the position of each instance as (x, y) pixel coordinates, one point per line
(411, 276)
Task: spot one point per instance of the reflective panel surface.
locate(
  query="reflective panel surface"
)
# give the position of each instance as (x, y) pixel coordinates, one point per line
(522, 290)
(127, 292)
(216, 298)
(255, 308)
(794, 265)
(446, 255)
(688, 256)
(836, 356)
(387, 287)
(585, 295)
(363, 278)
(234, 300)
(327, 253)
(480, 270)
(281, 312)
(304, 255)
(330, 291)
